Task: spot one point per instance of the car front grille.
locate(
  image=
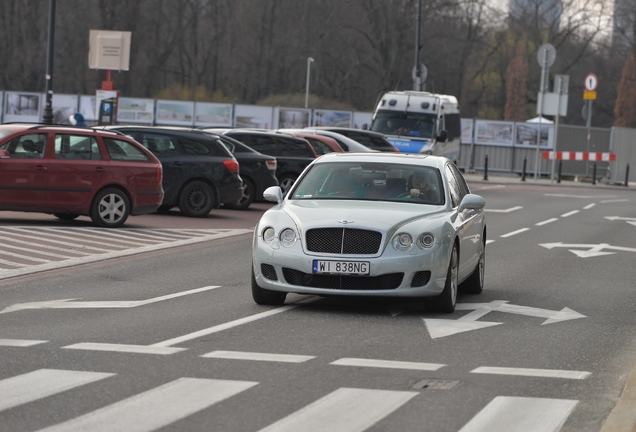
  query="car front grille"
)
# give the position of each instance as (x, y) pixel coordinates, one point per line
(269, 271)
(343, 241)
(421, 278)
(354, 283)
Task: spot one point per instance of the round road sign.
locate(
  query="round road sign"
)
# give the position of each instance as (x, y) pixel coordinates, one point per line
(547, 54)
(591, 81)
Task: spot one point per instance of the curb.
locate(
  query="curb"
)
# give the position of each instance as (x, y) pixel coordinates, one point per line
(623, 416)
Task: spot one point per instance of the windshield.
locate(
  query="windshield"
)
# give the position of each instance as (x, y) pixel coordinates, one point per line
(418, 125)
(371, 181)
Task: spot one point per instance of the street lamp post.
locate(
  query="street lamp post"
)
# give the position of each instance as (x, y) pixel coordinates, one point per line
(47, 117)
(309, 62)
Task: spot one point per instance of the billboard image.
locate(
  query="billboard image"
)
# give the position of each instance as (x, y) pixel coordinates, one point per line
(332, 118)
(213, 114)
(493, 132)
(174, 113)
(251, 116)
(291, 118)
(362, 118)
(22, 107)
(131, 110)
(467, 130)
(64, 106)
(526, 135)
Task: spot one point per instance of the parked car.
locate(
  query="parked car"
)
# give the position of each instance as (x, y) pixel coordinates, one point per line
(257, 170)
(321, 144)
(199, 172)
(71, 171)
(373, 140)
(372, 224)
(292, 154)
(347, 144)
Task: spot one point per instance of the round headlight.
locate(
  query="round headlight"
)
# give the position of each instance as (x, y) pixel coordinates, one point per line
(426, 240)
(269, 234)
(287, 237)
(402, 242)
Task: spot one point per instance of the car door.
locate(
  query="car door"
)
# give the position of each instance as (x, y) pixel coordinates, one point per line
(24, 174)
(467, 222)
(167, 150)
(76, 171)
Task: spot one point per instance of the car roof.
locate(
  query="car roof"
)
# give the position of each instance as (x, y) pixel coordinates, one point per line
(348, 141)
(345, 129)
(18, 127)
(393, 158)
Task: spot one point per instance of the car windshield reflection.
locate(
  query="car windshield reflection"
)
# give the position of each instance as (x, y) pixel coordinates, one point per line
(371, 181)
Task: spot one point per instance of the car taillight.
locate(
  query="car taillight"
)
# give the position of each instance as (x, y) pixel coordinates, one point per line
(232, 165)
(159, 174)
(395, 149)
(271, 164)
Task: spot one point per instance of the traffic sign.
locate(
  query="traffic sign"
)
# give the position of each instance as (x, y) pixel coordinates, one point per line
(589, 95)
(546, 53)
(423, 73)
(591, 82)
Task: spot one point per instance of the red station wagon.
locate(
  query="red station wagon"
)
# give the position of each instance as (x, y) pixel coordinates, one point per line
(70, 171)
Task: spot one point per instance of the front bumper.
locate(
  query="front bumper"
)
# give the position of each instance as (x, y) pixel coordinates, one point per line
(291, 270)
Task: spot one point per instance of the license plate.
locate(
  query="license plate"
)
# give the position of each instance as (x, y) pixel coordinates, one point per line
(341, 267)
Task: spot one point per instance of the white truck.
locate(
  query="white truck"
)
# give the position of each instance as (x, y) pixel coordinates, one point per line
(420, 122)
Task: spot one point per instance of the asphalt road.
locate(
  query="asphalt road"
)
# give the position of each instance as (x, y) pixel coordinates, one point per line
(172, 339)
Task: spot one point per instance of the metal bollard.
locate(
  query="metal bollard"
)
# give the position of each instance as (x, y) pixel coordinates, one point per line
(627, 176)
(560, 168)
(523, 173)
(594, 174)
(486, 168)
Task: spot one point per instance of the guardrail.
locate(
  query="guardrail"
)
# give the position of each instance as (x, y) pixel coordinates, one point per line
(579, 156)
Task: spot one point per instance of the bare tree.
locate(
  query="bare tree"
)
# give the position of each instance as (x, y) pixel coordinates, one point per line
(625, 109)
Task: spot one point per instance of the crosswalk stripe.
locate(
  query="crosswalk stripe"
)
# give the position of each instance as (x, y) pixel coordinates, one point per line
(344, 410)
(42, 383)
(18, 234)
(388, 364)
(88, 237)
(240, 355)
(521, 414)
(156, 408)
(545, 373)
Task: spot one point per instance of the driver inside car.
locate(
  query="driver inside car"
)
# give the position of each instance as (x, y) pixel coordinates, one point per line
(423, 187)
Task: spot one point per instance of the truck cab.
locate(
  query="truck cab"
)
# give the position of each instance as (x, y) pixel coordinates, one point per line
(420, 122)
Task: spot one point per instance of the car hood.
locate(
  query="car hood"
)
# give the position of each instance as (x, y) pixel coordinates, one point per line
(380, 216)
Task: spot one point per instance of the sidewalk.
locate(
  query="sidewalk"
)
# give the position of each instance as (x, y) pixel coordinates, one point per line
(513, 178)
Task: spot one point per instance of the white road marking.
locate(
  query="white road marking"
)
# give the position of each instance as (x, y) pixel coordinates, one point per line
(489, 241)
(589, 206)
(69, 304)
(511, 209)
(614, 218)
(580, 196)
(89, 254)
(510, 234)
(241, 355)
(387, 364)
(544, 373)
(593, 251)
(344, 410)
(229, 325)
(573, 212)
(547, 221)
(615, 200)
(156, 408)
(42, 383)
(489, 187)
(20, 342)
(521, 414)
(137, 349)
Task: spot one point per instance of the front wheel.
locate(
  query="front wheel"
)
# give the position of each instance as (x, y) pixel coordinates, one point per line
(196, 199)
(286, 182)
(446, 301)
(110, 208)
(266, 297)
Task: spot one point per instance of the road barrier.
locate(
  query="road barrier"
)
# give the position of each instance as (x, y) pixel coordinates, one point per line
(580, 156)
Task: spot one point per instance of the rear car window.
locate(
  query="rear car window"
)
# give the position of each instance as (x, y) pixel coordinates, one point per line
(120, 150)
(80, 147)
(28, 146)
(194, 148)
(159, 144)
(320, 147)
(292, 147)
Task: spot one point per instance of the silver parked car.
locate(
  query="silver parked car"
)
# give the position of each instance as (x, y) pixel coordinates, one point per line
(372, 224)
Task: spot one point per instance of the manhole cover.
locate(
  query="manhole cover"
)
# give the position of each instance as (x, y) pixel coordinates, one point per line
(435, 384)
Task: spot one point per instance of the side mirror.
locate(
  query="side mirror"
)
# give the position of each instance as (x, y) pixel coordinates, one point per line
(4, 154)
(274, 194)
(365, 126)
(472, 202)
(443, 136)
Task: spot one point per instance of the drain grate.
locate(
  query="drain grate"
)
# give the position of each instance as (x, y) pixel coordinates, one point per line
(435, 384)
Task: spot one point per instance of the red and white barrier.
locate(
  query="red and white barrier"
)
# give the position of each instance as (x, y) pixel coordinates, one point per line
(580, 156)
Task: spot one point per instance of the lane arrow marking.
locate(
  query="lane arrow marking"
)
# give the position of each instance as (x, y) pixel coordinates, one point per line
(70, 304)
(593, 251)
(511, 209)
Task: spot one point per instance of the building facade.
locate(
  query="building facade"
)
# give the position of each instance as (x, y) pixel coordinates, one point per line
(624, 23)
(546, 12)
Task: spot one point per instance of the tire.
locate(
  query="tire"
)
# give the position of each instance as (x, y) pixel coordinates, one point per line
(445, 302)
(266, 297)
(196, 199)
(286, 182)
(110, 208)
(475, 282)
(66, 216)
(249, 191)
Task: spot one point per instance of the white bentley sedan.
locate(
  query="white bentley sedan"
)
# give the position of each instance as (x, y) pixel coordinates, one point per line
(372, 224)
